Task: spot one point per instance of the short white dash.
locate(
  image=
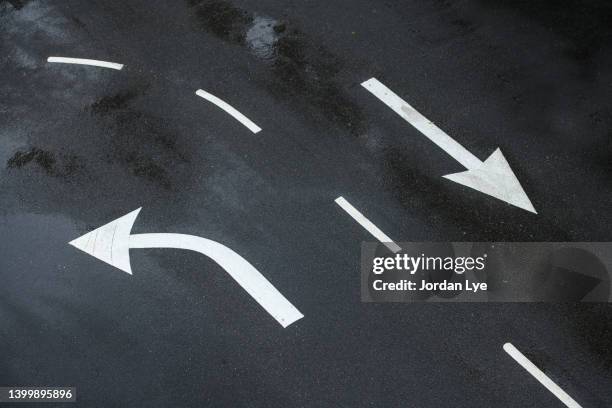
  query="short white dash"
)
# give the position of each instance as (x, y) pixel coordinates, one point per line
(540, 376)
(229, 109)
(81, 61)
(367, 224)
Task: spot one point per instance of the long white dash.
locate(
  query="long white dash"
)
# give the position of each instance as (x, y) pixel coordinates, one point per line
(367, 224)
(229, 109)
(82, 61)
(540, 376)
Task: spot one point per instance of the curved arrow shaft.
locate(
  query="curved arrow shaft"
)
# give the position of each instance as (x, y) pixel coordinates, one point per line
(422, 124)
(239, 268)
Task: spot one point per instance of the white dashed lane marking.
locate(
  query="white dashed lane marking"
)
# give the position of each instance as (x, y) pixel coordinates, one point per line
(540, 376)
(367, 224)
(82, 61)
(229, 109)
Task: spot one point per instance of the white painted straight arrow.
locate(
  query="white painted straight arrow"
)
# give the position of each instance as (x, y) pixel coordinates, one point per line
(493, 176)
(111, 243)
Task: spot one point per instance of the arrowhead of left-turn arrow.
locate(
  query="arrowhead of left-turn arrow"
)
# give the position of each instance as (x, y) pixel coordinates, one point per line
(110, 242)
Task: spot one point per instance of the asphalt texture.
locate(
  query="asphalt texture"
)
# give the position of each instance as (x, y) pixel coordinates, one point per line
(82, 146)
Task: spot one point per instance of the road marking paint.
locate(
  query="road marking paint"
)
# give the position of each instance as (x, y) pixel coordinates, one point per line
(111, 243)
(540, 376)
(493, 176)
(368, 225)
(82, 61)
(245, 274)
(229, 109)
(422, 124)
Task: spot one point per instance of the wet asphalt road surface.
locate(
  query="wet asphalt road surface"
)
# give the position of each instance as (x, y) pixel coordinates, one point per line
(82, 146)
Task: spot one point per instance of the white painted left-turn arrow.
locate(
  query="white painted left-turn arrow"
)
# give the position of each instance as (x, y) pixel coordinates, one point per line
(111, 243)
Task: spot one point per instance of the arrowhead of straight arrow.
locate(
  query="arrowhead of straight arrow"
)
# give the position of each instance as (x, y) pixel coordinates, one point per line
(110, 242)
(495, 178)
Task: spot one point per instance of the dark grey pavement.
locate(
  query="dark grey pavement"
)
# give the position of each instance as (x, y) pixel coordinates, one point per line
(82, 146)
